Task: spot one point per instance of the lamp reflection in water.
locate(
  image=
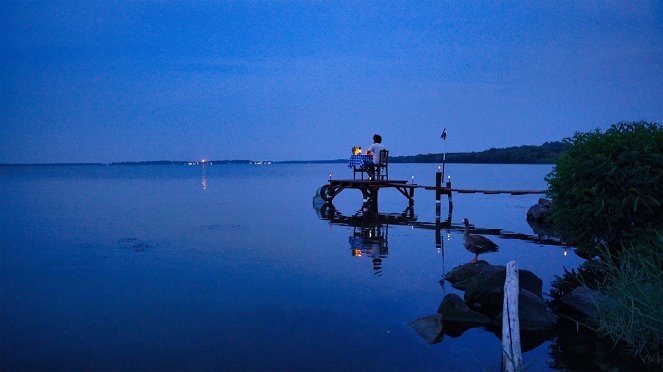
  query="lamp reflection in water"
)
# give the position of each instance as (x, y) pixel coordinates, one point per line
(370, 230)
(204, 182)
(371, 241)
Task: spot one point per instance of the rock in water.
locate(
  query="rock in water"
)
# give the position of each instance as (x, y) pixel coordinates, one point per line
(457, 317)
(540, 211)
(533, 313)
(461, 275)
(581, 301)
(429, 328)
(487, 292)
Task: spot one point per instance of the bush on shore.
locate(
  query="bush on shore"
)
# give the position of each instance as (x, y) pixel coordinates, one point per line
(607, 190)
(608, 187)
(631, 312)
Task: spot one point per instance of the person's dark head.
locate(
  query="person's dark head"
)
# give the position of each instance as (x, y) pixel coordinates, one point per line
(377, 138)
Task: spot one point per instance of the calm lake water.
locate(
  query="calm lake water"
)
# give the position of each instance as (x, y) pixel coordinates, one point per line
(231, 267)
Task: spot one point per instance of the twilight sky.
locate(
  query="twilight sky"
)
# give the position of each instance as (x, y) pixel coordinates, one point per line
(102, 81)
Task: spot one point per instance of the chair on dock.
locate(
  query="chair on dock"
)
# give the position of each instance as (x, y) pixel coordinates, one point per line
(360, 169)
(378, 171)
(382, 169)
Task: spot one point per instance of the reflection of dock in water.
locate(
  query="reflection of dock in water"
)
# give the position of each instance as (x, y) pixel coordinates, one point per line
(370, 230)
(327, 211)
(371, 241)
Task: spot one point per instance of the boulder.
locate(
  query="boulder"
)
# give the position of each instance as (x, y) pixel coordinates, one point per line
(429, 328)
(457, 317)
(461, 275)
(533, 313)
(581, 302)
(486, 294)
(540, 211)
(543, 229)
(453, 309)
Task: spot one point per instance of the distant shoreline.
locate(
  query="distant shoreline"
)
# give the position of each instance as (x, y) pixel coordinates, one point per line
(543, 154)
(338, 161)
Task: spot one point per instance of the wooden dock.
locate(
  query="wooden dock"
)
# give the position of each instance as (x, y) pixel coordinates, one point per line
(487, 192)
(370, 189)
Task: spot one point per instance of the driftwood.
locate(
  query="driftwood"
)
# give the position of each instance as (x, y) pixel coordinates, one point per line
(512, 359)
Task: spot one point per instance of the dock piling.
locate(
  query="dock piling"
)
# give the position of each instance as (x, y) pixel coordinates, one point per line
(438, 186)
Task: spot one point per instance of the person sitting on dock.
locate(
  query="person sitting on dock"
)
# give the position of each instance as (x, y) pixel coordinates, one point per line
(374, 150)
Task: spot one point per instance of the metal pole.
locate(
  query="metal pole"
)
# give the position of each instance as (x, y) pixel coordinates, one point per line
(444, 157)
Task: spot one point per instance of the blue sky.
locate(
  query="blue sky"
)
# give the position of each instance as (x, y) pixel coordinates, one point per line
(102, 81)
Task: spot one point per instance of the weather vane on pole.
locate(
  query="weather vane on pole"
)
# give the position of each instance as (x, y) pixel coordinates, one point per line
(444, 156)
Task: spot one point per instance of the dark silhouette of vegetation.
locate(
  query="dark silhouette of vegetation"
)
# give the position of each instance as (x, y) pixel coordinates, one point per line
(607, 188)
(630, 311)
(547, 153)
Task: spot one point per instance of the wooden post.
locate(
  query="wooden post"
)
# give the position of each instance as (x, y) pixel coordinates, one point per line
(438, 187)
(366, 197)
(438, 232)
(512, 359)
(451, 204)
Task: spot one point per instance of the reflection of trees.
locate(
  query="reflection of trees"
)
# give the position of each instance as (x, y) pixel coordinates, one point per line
(576, 346)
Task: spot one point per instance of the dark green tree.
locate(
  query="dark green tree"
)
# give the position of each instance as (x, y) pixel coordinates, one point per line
(607, 188)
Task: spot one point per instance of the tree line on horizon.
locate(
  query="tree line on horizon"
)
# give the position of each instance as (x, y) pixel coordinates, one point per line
(547, 153)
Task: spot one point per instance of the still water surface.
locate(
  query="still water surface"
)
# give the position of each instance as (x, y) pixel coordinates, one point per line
(231, 267)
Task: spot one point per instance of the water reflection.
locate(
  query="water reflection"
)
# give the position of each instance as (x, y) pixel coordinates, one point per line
(371, 241)
(327, 211)
(370, 230)
(204, 182)
(370, 238)
(434, 327)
